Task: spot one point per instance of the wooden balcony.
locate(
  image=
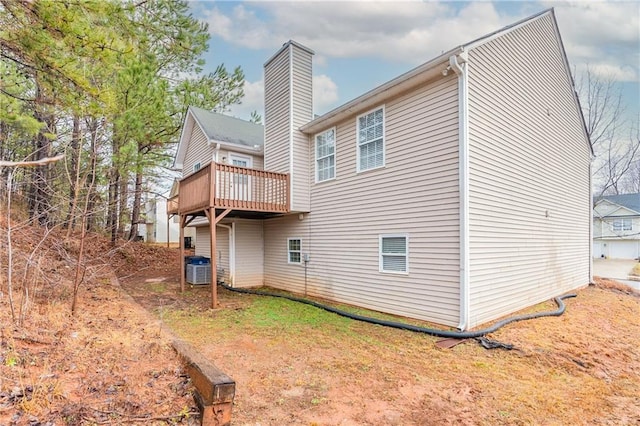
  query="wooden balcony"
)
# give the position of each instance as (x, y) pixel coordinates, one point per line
(231, 187)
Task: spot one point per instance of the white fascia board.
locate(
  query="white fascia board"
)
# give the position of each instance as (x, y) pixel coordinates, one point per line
(372, 98)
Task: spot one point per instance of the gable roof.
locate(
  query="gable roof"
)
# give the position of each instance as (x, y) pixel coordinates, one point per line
(219, 128)
(628, 201)
(431, 69)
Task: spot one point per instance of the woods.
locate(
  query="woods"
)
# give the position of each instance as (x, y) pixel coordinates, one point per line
(106, 85)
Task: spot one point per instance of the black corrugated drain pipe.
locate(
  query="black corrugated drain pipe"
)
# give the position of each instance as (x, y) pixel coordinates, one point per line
(431, 331)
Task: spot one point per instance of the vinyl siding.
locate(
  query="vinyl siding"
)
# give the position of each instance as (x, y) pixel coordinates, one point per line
(416, 193)
(288, 106)
(249, 252)
(529, 174)
(278, 273)
(203, 247)
(302, 114)
(277, 108)
(198, 150)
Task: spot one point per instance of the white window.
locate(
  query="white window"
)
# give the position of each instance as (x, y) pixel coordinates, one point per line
(326, 155)
(294, 250)
(623, 224)
(370, 136)
(196, 167)
(394, 253)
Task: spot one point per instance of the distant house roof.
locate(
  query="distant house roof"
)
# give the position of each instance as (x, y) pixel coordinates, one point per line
(629, 201)
(223, 128)
(219, 128)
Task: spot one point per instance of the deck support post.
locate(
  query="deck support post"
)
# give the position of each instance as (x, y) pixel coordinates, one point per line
(181, 258)
(213, 222)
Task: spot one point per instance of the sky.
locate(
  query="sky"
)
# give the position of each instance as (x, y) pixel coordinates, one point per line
(360, 45)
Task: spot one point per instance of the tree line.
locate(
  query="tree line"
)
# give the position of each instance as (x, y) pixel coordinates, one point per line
(106, 84)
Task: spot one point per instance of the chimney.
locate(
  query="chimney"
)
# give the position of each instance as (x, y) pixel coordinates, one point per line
(288, 105)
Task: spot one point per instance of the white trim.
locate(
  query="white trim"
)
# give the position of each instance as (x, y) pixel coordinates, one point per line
(315, 154)
(294, 251)
(291, 179)
(239, 156)
(384, 130)
(406, 253)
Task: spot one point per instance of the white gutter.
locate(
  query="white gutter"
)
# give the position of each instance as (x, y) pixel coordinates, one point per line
(380, 94)
(459, 64)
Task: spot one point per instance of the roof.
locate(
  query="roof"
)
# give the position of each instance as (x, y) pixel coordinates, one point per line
(223, 128)
(629, 201)
(219, 128)
(437, 67)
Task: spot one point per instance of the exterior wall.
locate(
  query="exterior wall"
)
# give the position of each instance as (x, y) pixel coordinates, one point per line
(288, 105)
(249, 253)
(416, 193)
(302, 113)
(203, 247)
(530, 203)
(278, 273)
(198, 150)
(277, 109)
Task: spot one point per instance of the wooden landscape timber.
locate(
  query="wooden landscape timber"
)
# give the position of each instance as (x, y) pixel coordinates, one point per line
(214, 389)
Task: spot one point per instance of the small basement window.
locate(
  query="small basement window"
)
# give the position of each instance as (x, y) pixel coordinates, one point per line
(294, 250)
(394, 253)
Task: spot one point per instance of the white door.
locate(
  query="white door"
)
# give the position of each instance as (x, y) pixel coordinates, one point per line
(240, 183)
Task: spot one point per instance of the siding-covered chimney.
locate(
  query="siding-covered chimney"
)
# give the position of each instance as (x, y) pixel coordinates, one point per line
(288, 104)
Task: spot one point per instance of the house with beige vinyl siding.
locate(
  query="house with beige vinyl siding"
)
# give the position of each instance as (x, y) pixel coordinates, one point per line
(457, 193)
(616, 226)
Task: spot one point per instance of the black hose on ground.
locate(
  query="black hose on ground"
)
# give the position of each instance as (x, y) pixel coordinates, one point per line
(410, 327)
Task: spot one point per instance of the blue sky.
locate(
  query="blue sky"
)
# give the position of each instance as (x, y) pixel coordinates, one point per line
(361, 44)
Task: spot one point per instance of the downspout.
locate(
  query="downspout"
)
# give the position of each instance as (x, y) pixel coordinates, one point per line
(591, 208)
(232, 250)
(216, 152)
(459, 64)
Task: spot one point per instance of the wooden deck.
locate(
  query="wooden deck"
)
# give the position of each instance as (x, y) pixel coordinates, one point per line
(231, 187)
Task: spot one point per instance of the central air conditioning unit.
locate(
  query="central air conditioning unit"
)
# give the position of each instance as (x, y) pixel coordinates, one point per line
(198, 274)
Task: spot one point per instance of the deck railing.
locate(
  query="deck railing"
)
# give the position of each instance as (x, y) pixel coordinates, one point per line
(233, 187)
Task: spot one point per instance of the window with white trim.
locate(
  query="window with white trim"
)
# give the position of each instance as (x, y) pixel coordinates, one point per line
(326, 155)
(196, 167)
(394, 253)
(370, 137)
(294, 253)
(623, 224)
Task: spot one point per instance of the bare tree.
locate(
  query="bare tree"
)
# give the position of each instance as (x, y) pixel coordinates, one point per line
(615, 147)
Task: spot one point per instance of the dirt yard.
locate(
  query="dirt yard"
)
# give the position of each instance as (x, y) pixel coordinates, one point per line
(297, 365)
(111, 363)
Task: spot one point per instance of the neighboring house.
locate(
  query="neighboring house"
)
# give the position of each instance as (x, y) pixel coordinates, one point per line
(457, 193)
(616, 226)
(158, 227)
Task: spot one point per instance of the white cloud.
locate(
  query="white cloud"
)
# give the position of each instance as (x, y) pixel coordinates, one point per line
(253, 100)
(604, 35)
(413, 32)
(325, 94)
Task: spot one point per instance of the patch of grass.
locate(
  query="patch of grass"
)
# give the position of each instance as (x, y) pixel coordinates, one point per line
(158, 287)
(636, 270)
